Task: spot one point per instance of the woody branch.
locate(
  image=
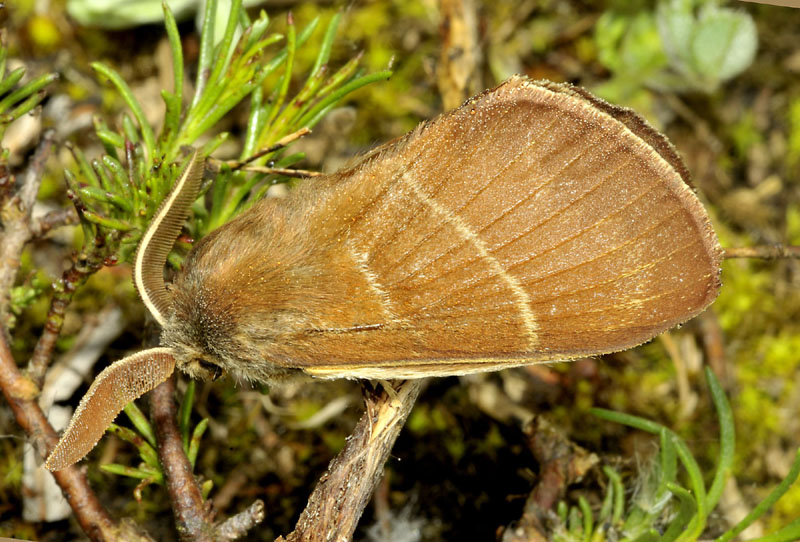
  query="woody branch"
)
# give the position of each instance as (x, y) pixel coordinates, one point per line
(193, 515)
(336, 504)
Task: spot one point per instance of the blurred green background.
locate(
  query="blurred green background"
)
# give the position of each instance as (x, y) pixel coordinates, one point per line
(723, 82)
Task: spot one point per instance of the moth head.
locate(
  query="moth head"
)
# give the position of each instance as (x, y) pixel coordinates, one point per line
(192, 358)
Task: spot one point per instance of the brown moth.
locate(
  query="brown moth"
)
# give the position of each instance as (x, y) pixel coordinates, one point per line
(534, 223)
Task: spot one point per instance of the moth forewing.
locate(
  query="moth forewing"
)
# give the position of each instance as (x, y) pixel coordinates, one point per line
(531, 224)
(157, 241)
(115, 387)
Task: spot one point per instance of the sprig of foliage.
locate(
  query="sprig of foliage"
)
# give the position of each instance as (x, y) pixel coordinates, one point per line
(662, 509)
(16, 101)
(117, 194)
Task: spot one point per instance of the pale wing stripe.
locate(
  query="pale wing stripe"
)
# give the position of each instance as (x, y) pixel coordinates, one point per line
(378, 248)
(433, 231)
(519, 293)
(373, 282)
(524, 233)
(457, 246)
(385, 189)
(478, 281)
(389, 239)
(481, 280)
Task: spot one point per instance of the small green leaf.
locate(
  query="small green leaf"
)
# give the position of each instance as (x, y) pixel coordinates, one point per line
(724, 43)
(11, 79)
(686, 512)
(727, 440)
(194, 443)
(139, 421)
(132, 103)
(185, 412)
(106, 222)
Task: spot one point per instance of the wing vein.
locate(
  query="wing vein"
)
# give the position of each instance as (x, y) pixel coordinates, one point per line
(617, 278)
(465, 286)
(430, 234)
(528, 197)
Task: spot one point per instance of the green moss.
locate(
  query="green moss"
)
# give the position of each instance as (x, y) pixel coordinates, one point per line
(419, 421)
(745, 134)
(780, 358)
(746, 294)
(44, 33)
(755, 413)
(793, 152)
(12, 469)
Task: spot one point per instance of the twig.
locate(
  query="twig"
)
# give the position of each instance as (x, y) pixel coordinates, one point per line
(54, 219)
(193, 518)
(764, 252)
(336, 504)
(714, 345)
(281, 143)
(238, 525)
(15, 216)
(214, 165)
(295, 173)
(458, 71)
(686, 400)
(193, 515)
(64, 290)
(561, 463)
(21, 393)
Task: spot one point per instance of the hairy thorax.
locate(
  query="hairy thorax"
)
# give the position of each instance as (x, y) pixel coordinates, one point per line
(238, 296)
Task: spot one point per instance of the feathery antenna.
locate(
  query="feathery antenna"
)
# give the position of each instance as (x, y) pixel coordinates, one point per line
(157, 241)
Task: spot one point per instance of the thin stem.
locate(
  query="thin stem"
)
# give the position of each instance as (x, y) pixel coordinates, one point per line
(764, 252)
(71, 280)
(192, 516)
(15, 215)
